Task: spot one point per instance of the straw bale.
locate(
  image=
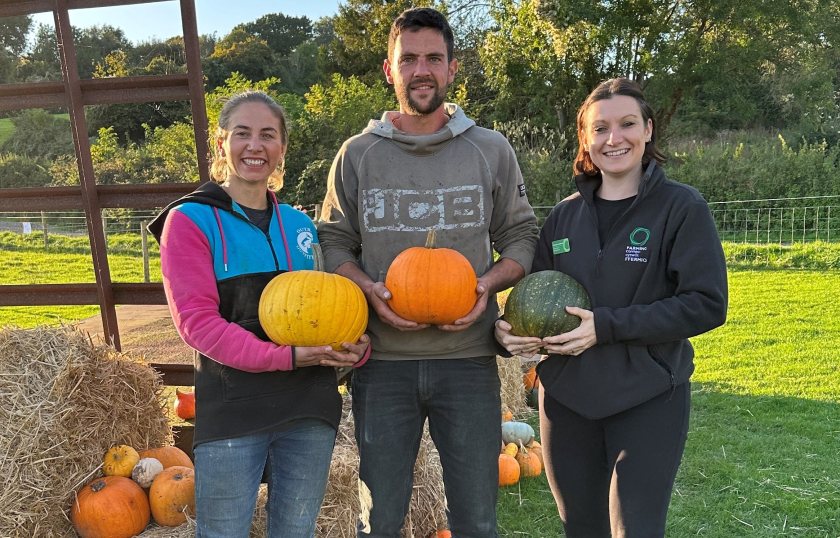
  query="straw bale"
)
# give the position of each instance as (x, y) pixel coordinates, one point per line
(512, 390)
(63, 402)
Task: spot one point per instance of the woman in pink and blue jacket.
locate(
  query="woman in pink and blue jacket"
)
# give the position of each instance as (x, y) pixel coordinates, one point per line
(260, 408)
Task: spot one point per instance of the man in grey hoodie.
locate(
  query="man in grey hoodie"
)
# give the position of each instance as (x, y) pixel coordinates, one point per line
(427, 166)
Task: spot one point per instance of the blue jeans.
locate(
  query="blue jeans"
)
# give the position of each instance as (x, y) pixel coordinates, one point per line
(228, 473)
(391, 402)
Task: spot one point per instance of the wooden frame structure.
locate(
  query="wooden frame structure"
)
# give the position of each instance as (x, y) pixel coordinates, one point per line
(74, 94)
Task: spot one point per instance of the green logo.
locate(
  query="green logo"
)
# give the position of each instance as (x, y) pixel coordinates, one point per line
(561, 246)
(639, 237)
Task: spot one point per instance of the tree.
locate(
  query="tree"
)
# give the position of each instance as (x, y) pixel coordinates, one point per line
(333, 113)
(721, 53)
(42, 62)
(13, 32)
(282, 33)
(243, 53)
(95, 43)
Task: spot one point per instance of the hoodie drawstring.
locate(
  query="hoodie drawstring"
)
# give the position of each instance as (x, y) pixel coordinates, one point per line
(282, 230)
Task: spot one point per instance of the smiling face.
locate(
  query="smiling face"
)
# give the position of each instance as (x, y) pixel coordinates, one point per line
(615, 133)
(253, 144)
(420, 71)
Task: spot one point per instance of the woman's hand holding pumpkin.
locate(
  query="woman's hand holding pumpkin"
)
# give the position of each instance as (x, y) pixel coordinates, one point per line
(327, 356)
(577, 340)
(523, 346)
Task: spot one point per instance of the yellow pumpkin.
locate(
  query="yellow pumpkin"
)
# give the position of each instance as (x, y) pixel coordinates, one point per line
(120, 461)
(510, 449)
(313, 308)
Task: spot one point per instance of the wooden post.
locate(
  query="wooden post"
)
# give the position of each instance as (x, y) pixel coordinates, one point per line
(144, 240)
(44, 228)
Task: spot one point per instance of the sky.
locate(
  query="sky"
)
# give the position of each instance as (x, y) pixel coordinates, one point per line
(161, 20)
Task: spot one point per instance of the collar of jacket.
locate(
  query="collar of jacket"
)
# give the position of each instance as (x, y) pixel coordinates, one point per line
(653, 175)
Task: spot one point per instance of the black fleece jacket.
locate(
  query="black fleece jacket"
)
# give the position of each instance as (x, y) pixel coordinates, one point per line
(659, 279)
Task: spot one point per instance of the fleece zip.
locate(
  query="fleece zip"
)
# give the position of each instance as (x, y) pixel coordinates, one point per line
(659, 279)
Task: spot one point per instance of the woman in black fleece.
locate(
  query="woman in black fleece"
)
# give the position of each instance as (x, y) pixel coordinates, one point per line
(614, 394)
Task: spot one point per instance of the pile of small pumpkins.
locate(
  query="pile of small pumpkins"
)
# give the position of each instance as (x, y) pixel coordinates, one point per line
(521, 455)
(156, 483)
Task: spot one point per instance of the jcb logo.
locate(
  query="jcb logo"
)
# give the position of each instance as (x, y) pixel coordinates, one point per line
(408, 210)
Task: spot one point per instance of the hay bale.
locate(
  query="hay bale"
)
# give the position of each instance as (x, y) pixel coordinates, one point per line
(63, 402)
(340, 510)
(513, 395)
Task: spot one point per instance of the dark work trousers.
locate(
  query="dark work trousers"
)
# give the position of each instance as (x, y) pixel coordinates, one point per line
(614, 476)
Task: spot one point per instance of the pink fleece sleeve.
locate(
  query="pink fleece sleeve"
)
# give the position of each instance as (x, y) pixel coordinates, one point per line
(190, 284)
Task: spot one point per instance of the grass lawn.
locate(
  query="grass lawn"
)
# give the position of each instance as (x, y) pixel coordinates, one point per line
(764, 436)
(6, 129)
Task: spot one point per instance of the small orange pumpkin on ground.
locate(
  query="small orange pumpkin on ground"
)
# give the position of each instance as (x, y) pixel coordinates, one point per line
(168, 456)
(529, 464)
(530, 379)
(536, 450)
(120, 461)
(184, 404)
(431, 285)
(172, 496)
(508, 470)
(506, 414)
(110, 507)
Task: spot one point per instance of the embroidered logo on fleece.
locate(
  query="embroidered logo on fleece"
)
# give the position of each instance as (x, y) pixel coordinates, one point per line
(636, 251)
(521, 187)
(304, 242)
(560, 246)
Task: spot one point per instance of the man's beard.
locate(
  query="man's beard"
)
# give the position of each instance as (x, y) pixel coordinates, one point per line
(413, 107)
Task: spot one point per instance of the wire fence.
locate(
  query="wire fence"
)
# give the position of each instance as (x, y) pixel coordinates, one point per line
(780, 221)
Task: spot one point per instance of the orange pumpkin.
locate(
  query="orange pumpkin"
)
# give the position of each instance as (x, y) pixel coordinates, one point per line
(431, 285)
(536, 450)
(529, 379)
(508, 470)
(110, 507)
(313, 308)
(172, 496)
(507, 414)
(185, 404)
(529, 464)
(119, 461)
(168, 456)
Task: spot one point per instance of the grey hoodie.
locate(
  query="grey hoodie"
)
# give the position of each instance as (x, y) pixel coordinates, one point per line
(387, 188)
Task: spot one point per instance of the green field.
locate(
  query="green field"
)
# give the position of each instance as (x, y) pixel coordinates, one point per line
(765, 428)
(6, 129)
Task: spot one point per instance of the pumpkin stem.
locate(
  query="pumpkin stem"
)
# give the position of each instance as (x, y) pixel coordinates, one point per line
(430, 239)
(318, 255)
(97, 486)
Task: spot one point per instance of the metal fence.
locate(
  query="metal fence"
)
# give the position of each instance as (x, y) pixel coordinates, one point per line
(775, 220)
(779, 220)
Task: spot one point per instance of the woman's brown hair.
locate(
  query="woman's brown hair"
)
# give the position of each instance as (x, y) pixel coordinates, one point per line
(615, 86)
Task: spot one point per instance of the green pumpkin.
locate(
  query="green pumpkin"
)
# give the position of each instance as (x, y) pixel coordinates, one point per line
(518, 433)
(537, 304)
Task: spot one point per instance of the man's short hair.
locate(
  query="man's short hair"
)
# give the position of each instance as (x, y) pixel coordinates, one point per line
(422, 17)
